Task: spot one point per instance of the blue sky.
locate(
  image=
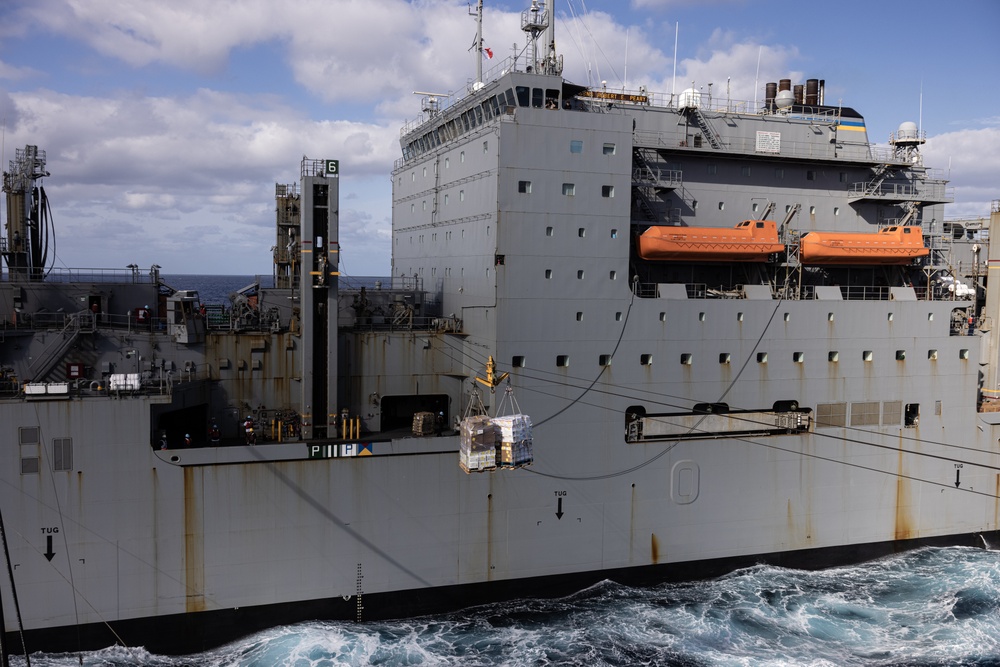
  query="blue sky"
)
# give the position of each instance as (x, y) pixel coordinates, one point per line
(167, 124)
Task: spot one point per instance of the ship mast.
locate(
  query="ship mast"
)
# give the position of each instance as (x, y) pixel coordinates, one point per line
(534, 22)
(478, 47)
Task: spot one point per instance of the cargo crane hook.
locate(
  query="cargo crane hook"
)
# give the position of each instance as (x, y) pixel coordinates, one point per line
(492, 379)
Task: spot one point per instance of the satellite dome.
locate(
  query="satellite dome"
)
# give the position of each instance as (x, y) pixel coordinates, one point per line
(907, 130)
(784, 99)
(689, 98)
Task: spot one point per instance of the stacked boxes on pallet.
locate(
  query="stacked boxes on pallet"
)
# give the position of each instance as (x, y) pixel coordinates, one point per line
(515, 440)
(477, 448)
(423, 423)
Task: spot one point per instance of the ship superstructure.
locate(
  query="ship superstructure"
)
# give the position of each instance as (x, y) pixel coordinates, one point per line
(693, 409)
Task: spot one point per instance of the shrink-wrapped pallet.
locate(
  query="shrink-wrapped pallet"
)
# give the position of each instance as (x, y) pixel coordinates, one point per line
(515, 440)
(477, 447)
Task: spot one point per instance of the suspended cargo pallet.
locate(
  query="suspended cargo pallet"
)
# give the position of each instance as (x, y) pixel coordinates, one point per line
(485, 442)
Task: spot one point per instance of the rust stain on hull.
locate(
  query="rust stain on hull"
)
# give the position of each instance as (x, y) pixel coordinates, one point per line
(194, 542)
(904, 525)
(654, 548)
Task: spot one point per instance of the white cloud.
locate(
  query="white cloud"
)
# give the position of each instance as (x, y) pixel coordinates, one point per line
(970, 159)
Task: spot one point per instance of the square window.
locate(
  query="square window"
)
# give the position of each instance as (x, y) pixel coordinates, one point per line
(614, 233)
(963, 353)
(663, 317)
(932, 354)
(579, 316)
(725, 357)
(548, 274)
(866, 355)
(686, 359)
(581, 232)
(575, 146)
(833, 356)
(618, 316)
(798, 357)
(701, 317)
(609, 149)
(613, 275)
(486, 147)
(579, 274)
(646, 359)
(604, 360)
(517, 361)
(900, 355)
(569, 189)
(607, 191)
(524, 187)
(562, 360)
(762, 357)
(548, 231)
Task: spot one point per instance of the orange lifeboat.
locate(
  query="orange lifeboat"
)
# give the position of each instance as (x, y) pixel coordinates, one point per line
(892, 245)
(749, 241)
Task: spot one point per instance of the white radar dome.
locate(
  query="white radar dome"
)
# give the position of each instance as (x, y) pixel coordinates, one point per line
(689, 98)
(784, 99)
(907, 130)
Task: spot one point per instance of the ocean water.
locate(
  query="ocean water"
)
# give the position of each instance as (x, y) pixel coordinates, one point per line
(935, 606)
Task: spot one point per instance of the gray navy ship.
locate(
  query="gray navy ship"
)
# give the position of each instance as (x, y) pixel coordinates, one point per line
(731, 333)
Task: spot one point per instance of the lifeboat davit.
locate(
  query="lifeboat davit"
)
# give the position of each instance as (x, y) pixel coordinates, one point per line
(749, 241)
(892, 245)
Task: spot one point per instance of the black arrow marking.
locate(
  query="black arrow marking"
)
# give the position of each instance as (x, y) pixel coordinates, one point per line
(958, 475)
(48, 548)
(559, 512)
